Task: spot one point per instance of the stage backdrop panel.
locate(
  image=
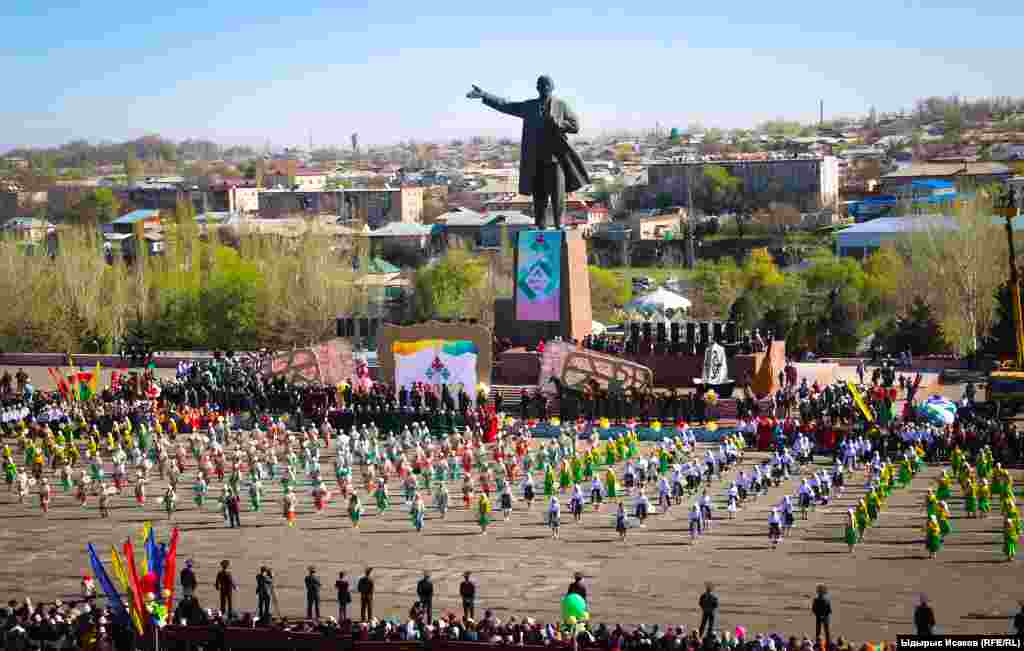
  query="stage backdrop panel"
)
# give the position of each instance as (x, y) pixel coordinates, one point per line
(436, 362)
(436, 353)
(539, 276)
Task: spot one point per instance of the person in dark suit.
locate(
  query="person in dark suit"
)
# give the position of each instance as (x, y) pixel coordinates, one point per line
(425, 592)
(467, 590)
(225, 585)
(188, 580)
(924, 618)
(312, 594)
(708, 603)
(344, 596)
(548, 165)
(822, 609)
(264, 587)
(365, 588)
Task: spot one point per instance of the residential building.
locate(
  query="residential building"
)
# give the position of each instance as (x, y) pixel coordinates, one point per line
(123, 235)
(966, 175)
(660, 225)
(305, 180)
(239, 198)
(375, 207)
(807, 183)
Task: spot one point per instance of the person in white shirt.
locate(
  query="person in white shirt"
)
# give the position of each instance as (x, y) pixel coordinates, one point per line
(705, 511)
(774, 528)
(734, 499)
(643, 506)
(554, 516)
(694, 522)
(664, 495)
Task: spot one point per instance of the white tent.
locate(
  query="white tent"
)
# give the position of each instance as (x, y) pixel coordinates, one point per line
(659, 300)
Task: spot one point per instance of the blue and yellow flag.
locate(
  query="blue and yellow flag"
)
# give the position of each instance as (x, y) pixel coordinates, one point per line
(113, 597)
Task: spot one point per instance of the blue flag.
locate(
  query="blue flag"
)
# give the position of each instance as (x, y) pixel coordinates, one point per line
(152, 552)
(113, 598)
(161, 560)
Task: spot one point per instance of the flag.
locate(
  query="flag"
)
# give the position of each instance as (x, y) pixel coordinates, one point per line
(143, 537)
(170, 561)
(115, 380)
(73, 382)
(113, 598)
(152, 552)
(122, 576)
(85, 380)
(857, 400)
(59, 381)
(95, 383)
(133, 577)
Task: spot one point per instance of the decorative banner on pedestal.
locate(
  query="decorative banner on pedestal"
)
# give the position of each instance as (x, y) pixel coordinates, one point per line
(576, 368)
(539, 276)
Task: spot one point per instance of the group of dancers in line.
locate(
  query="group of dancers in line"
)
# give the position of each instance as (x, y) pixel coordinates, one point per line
(978, 485)
(424, 465)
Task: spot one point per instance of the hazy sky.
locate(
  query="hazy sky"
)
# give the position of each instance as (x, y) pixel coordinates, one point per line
(248, 72)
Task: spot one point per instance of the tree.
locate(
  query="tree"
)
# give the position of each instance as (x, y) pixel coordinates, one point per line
(717, 190)
(608, 292)
(1002, 340)
(132, 169)
(956, 265)
(97, 207)
(918, 332)
(442, 288)
(883, 273)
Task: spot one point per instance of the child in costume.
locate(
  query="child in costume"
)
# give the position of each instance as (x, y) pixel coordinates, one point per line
(288, 506)
(620, 522)
(945, 482)
(528, 492)
(200, 489)
(45, 493)
(256, 495)
(971, 498)
(984, 498)
(381, 494)
(1011, 537)
(851, 529)
(611, 484)
(484, 513)
(506, 501)
(355, 510)
(943, 515)
(933, 536)
(170, 499)
(774, 528)
(441, 499)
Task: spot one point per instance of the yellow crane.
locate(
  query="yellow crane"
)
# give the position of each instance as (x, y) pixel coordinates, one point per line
(1005, 387)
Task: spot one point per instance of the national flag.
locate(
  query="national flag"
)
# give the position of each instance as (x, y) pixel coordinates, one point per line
(143, 537)
(122, 575)
(84, 381)
(170, 562)
(113, 598)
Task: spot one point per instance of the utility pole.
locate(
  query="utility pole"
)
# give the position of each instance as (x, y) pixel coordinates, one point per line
(821, 112)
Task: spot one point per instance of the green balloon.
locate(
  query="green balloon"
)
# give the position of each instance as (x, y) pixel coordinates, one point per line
(573, 605)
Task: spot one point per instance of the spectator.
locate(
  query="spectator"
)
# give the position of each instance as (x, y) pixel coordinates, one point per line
(924, 618)
(225, 585)
(312, 594)
(188, 580)
(467, 590)
(264, 588)
(344, 597)
(577, 587)
(365, 587)
(822, 609)
(708, 603)
(425, 592)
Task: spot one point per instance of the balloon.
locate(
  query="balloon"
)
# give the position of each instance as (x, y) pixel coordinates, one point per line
(573, 605)
(586, 617)
(148, 582)
(570, 620)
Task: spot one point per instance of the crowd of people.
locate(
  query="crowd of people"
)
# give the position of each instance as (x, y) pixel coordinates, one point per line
(222, 422)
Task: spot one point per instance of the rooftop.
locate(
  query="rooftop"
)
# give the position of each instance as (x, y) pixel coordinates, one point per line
(401, 229)
(948, 169)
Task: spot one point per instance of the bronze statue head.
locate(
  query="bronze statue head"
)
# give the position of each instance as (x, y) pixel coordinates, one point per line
(545, 86)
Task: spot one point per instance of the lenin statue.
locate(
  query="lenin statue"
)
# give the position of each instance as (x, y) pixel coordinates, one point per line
(548, 165)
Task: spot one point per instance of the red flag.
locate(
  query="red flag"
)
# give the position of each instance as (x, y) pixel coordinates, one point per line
(115, 380)
(169, 563)
(62, 385)
(133, 577)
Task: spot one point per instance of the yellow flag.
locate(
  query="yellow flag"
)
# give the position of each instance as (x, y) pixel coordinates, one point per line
(857, 400)
(146, 526)
(126, 587)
